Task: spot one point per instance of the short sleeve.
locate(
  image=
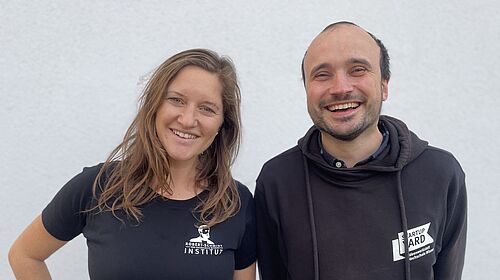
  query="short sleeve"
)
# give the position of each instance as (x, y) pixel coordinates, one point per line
(64, 217)
(246, 254)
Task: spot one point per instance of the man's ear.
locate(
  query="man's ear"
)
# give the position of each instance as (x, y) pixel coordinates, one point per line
(385, 89)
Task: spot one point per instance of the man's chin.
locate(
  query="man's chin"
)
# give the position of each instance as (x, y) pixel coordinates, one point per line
(347, 136)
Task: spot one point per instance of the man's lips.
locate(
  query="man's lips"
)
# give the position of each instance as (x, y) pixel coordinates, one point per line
(343, 106)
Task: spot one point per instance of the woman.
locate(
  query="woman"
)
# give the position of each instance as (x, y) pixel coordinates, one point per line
(164, 204)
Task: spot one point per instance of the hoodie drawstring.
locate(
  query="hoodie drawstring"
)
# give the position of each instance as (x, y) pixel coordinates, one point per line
(312, 223)
(311, 220)
(404, 221)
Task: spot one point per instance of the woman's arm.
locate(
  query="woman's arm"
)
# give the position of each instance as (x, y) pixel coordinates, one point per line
(247, 273)
(28, 253)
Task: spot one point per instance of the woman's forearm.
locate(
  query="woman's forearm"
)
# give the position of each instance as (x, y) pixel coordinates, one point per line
(25, 268)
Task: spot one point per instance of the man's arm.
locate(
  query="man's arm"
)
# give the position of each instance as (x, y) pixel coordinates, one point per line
(270, 263)
(450, 260)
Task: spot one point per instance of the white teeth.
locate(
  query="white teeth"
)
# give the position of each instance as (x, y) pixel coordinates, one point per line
(343, 106)
(184, 135)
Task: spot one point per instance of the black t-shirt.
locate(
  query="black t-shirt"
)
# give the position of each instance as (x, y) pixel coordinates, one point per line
(166, 244)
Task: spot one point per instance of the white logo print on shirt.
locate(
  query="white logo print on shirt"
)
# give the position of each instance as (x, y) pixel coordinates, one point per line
(202, 245)
(419, 243)
(204, 232)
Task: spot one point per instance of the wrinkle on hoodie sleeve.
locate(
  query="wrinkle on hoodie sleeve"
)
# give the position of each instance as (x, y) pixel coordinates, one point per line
(270, 262)
(451, 258)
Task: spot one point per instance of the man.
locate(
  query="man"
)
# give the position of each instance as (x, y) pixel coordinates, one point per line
(340, 204)
(204, 232)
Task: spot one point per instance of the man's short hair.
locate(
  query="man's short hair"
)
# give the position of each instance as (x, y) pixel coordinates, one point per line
(384, 54)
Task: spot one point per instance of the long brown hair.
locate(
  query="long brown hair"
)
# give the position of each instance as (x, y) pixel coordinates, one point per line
(141, 159)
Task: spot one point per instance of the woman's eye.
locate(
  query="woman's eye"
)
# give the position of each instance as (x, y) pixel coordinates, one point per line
(207, 110)
(175, 100)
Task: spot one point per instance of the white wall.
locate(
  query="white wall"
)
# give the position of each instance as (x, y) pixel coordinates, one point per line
(69, 75)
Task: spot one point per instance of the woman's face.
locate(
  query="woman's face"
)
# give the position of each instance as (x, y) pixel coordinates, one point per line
(191, 114)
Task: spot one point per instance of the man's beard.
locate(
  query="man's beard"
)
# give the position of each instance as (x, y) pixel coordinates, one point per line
(369, 119)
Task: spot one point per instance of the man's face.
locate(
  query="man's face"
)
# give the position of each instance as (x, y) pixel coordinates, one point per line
(343, 82)
(205, 232)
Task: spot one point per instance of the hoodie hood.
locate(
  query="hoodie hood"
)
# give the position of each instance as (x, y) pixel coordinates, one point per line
(405, 146)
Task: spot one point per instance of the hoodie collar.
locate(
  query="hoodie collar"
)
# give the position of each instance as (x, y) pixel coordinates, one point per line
(341, 164)
(404, 147)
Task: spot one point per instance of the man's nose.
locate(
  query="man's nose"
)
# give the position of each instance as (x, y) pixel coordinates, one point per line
(340, 84)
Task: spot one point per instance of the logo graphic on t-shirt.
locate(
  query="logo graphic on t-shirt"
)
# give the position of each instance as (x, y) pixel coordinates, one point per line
(202, 245)
(420, 243)
(204, 232)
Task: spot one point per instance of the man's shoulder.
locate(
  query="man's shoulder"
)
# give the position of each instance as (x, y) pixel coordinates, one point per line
(441, 154)
(286, 164)
(243, 191)
(440, 159)
(289, 157)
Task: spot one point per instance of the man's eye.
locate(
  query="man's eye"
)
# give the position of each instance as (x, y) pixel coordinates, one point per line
(321, 75)
(357, 71)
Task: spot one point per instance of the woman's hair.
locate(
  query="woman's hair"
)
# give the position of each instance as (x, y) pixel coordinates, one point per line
(141, 159)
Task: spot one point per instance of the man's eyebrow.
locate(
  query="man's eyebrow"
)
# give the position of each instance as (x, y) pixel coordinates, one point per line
(360, 61)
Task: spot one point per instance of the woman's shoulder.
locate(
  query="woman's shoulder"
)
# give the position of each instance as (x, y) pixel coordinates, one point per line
(243, 191)
(246, 198)
(81, 184)
(92, 172)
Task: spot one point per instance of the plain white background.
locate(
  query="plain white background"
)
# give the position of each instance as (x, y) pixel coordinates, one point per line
(71, 73)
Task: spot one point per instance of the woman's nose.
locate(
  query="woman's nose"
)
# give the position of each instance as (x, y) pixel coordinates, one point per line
(188, 117)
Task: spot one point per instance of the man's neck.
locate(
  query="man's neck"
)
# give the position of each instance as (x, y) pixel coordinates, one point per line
(356, 150)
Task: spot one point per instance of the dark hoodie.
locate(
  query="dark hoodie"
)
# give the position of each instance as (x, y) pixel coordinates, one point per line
(315, 221)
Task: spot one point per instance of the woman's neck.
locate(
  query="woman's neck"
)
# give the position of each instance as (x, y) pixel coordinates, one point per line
(182, 181)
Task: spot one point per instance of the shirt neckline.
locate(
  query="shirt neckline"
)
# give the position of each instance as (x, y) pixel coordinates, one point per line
(182, 203)
(337, 163)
